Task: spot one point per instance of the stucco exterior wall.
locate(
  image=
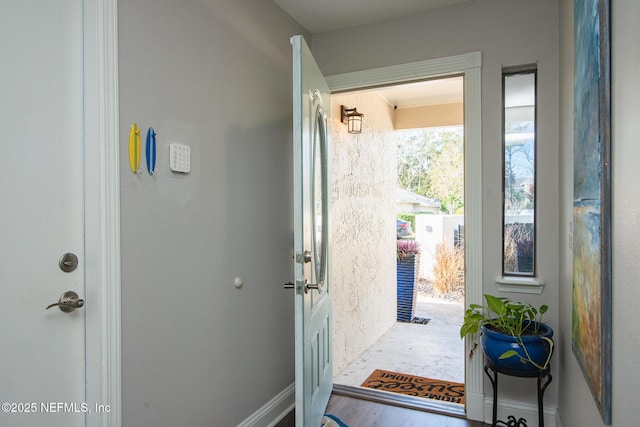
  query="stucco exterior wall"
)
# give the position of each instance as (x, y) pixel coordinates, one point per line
(363, 240)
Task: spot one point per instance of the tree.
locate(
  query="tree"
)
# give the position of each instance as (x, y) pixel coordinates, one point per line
(413, 163)
(430, 163)
(518, 167)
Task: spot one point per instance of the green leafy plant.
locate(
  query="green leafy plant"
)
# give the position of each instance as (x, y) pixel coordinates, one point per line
(508, 317)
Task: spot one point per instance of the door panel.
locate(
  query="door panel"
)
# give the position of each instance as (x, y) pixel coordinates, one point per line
(311, 104)
(41, 184)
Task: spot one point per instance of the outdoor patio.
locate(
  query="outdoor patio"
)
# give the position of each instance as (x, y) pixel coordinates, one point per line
(434, 350)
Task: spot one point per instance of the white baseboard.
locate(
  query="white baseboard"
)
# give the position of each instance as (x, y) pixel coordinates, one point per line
(519, 410)
(273, 411)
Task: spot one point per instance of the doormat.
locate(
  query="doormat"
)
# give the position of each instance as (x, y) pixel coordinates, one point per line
(417, 320)
(412, 385)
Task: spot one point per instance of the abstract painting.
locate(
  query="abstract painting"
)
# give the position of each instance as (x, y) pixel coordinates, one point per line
(591, 328)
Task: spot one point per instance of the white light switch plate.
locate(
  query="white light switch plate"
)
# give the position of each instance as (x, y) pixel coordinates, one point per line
(180, 158)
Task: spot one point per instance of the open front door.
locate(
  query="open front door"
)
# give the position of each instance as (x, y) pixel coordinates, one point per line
(313, 312)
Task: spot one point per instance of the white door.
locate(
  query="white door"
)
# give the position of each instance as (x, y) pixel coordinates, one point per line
(314, 360)
(42, 369)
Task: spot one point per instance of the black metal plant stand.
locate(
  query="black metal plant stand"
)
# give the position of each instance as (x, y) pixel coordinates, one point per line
(544, 379)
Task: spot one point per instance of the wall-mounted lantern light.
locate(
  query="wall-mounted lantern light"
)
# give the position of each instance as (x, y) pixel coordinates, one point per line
(351, 118)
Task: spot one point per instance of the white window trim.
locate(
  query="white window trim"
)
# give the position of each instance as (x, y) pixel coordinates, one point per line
(520, 285)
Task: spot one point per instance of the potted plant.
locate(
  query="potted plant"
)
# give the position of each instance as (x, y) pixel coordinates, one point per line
(513, 334)
(407, 252)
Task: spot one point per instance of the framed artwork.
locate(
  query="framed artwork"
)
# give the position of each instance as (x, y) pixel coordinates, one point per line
(592, 281)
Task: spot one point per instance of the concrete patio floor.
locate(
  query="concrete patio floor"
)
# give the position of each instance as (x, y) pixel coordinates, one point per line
(434, 350)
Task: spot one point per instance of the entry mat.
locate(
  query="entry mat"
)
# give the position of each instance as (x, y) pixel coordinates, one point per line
(412, 385)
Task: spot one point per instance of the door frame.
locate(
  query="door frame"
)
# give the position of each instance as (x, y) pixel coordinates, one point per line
(470, 66)
(102, 212)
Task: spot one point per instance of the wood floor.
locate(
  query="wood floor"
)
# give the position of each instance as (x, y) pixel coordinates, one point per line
(363, 413)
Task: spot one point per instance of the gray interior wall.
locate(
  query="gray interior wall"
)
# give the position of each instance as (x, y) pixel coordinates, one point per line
(215, 75)
(507, 32)
(576, 404)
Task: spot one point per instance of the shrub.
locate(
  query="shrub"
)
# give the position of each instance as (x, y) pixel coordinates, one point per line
(448, 269)
(518, 242)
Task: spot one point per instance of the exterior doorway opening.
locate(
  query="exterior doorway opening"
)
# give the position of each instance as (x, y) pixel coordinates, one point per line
(406, 166)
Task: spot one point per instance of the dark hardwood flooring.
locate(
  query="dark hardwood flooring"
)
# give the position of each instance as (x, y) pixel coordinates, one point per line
(363, 413)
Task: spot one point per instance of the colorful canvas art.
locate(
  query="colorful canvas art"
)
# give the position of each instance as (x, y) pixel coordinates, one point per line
(591, 332)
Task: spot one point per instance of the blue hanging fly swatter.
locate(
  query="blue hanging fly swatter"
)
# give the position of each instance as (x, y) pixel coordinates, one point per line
(151, 151)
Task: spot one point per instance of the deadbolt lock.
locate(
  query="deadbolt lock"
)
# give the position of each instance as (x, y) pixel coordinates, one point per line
(68, 262)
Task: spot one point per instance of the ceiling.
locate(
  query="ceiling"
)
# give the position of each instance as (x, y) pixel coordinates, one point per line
(324, 15)
(431, 92)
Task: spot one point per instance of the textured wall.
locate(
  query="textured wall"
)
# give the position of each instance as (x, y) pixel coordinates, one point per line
(363, 227)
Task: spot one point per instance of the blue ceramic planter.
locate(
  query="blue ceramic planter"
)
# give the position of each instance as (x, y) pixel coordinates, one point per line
(495, 344)
(406, 292)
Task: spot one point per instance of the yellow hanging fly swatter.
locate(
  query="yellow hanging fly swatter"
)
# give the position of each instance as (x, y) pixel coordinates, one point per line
(134, 148)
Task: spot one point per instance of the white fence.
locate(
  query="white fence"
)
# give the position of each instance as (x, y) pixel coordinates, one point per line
(432, 230)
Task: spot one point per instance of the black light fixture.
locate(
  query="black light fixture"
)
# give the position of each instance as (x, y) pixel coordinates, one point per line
(351, 118)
